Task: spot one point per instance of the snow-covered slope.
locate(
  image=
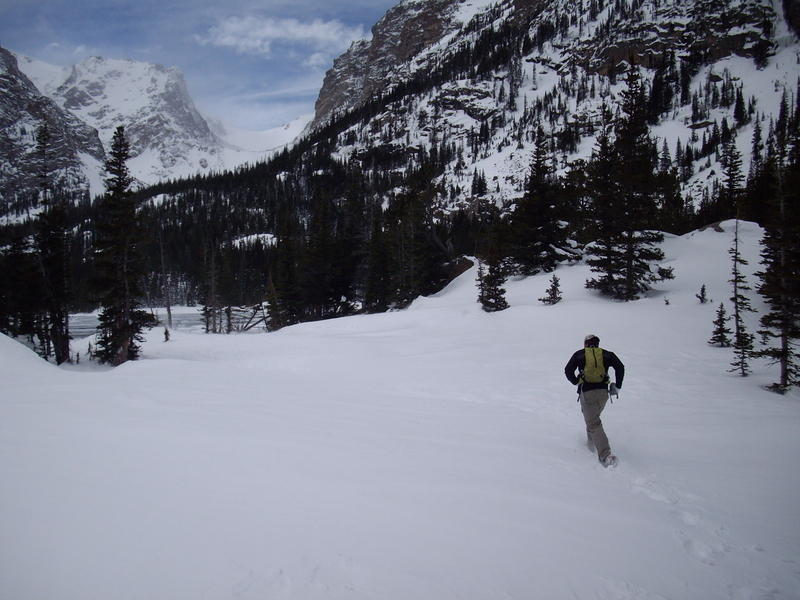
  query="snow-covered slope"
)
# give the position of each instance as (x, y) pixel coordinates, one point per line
(436, 452)
(245, 146)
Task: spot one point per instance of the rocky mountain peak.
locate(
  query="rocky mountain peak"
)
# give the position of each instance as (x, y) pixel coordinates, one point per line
(399, 36)
(150, 100)
(22, 111)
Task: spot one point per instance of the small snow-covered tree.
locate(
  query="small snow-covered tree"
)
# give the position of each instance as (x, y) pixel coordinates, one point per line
(702, 295)
(491, 293)
(553, 293)
(721, 335)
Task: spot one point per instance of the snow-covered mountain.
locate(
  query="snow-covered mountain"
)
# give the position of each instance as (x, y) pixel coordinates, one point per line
(479, 74)
(169, 137)
(167, 134)
(76, 151)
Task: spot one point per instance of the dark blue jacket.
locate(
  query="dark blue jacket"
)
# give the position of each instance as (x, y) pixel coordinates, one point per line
(578, 363)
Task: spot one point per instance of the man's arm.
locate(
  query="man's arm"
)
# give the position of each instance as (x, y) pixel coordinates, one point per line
(573, 365)
(619, 368)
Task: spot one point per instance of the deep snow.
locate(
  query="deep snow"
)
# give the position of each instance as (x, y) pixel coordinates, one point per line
(436, 452)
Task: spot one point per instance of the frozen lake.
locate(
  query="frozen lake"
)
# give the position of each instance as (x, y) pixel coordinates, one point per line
(83, 325)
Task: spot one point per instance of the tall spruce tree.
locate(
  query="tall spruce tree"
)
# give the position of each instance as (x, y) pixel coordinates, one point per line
(378, 283)
(605, 204)
(52, 246)
(491, 294)
(742, 339)
(118, 266)
(730, 194)
(627, 255)
(780, 278)
(540, 221)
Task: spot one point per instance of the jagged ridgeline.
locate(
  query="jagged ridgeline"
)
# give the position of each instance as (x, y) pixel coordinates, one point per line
(468, 127)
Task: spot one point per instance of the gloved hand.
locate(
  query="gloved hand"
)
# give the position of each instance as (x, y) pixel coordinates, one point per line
(613, 390)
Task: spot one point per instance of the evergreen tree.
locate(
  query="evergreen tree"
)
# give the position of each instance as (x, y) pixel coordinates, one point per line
(553, 293)
(285, 274)
(740, 112)
(780, 278)
(742, 339)
(118, 267)
(624, 258)
(603, 255)
(491, 293)
(276, 316)
(539, 224)
(317, 265)
(730, 193)
(762, 182)
(53, 251)
(21, 293)
(702, 295)
(377, 286)
(721, 335)
(491, 279)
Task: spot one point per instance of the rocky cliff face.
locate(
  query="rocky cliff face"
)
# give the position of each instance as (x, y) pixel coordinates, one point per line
(22, 111)
(479, 76)
(404, 32)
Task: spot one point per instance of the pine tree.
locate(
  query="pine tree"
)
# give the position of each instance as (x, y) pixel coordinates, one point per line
(553, 293)
(539, 224)
(285, 275)
(780, 278)
(53, 252)
(117, 262)
(742, 339)
(626, 254)
(702, 295)
(377, 286)
(276, 315)
(491, 293)
(739, 111)
(730, 193)
(316, 264)
(491, 279)
(721, 335)
(603, 255)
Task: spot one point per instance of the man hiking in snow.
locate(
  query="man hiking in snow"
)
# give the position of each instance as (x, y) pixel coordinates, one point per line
(592, 380)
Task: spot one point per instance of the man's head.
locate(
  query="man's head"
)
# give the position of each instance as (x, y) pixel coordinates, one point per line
(591, 341)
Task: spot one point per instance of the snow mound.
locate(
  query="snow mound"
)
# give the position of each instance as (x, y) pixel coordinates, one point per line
(20, 362)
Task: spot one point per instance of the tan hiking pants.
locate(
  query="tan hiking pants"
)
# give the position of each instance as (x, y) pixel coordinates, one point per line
(592, 404)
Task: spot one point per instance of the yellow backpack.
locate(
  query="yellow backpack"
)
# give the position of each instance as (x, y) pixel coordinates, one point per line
(595, 370)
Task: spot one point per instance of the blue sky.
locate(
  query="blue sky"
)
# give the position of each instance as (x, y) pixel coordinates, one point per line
(254, 64)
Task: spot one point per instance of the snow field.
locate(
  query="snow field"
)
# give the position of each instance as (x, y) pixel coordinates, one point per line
(436, 452)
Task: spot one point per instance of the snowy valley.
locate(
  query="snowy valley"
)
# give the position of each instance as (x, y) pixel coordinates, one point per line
(380, 435)
(434, 452)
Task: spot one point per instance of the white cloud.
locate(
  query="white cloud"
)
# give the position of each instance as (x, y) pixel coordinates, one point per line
(259, 35)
